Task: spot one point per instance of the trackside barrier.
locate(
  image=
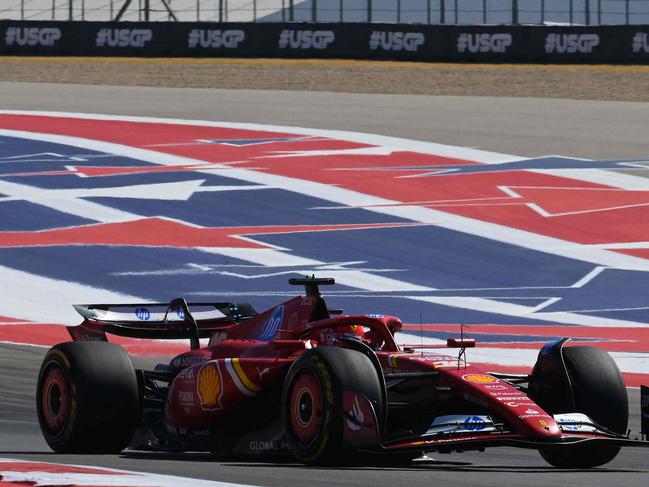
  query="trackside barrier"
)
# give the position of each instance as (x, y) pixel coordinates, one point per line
(520, 44)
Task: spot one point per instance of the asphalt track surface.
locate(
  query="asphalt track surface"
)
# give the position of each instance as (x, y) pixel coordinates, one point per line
(521, 126)
(517, 126)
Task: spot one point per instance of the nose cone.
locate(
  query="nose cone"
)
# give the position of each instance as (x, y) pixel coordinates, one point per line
(542, 426)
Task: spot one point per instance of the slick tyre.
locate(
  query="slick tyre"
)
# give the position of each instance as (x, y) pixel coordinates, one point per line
(599, 392)
(312, 404)
(87, 398)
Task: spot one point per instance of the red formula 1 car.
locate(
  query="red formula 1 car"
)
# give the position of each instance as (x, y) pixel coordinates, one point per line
(325, 389)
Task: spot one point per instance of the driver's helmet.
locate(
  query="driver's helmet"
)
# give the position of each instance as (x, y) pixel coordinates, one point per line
(373, 339)
(328, 335)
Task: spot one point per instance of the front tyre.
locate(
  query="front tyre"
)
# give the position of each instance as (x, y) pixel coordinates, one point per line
(312, 403)
(87, 398)
(599, 392)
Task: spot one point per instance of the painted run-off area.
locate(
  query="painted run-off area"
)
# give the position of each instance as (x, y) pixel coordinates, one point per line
(161, 208)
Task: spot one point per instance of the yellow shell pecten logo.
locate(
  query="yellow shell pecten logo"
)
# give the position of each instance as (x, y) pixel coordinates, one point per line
(479, 378)
(210, 387)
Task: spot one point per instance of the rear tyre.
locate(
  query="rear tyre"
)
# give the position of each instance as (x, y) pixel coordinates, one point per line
(87, 398)
(599, 392)
(312, 402)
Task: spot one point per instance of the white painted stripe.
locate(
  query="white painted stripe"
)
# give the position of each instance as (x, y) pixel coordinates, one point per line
(589, 277)
(175, 191)
(624, 245)
(101, 478)
(509, 192)
(237, 381)
(21, 344)
(357, 279)
(43, 300)
(545, 304)
(264, 257)
(71, 206)
(606, 310)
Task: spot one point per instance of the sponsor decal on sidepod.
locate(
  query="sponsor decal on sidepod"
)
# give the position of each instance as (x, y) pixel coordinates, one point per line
(142, 314)
(271, 325)
(461, 424)
(357, 414)
(210, 387)
(479, 378)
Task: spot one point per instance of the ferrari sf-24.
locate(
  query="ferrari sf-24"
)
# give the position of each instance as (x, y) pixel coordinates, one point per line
(306, 381)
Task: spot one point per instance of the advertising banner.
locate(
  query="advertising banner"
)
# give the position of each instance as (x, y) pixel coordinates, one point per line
(518, 44)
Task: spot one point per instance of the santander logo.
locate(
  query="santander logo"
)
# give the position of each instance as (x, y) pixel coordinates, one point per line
(357, 414)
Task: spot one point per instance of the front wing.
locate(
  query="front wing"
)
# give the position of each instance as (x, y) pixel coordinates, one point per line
(480, 441)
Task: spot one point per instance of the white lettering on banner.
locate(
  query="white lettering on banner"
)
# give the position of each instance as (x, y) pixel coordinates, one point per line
(206, 38)
(483, 42)
(396, 41)
(571, 43)
(32, 36)
(305, 39)
(123, 37)
(640, 42)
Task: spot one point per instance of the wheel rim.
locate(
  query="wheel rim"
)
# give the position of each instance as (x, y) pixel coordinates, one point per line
(306, 408)
(55, 401)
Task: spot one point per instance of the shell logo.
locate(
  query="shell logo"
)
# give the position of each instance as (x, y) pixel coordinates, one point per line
(210, 386)
(479, 378)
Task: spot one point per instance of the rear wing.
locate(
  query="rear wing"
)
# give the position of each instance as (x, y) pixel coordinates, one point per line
(174, 320)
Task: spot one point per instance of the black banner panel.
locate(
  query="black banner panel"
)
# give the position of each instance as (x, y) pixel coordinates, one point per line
(520, 44)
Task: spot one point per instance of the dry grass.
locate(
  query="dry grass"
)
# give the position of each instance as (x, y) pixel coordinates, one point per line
(626, 83)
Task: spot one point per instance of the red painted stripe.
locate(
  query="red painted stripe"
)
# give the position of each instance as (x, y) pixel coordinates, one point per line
(614, 226)
(642, 253)
(131, 133)
(158, 232)
(18, 466)
(32, 484)
(4, 319)
(47, 335)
